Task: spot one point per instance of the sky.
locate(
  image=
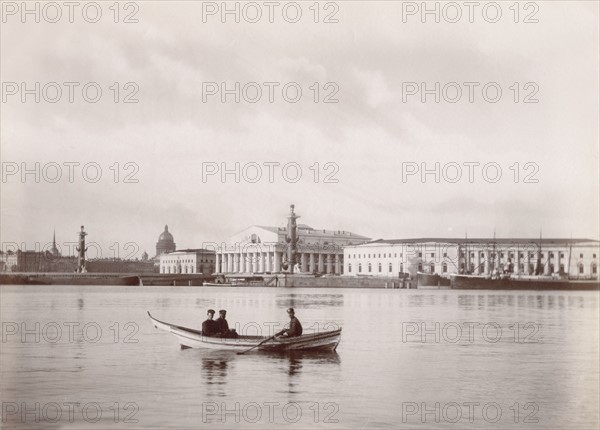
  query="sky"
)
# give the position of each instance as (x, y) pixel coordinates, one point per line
(161, 158)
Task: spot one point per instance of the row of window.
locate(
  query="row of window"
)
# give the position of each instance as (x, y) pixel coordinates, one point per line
(187, 260)
(581, 268)
(462, 254)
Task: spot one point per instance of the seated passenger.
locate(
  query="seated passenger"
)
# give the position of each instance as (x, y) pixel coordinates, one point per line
(223, 326)
(209, 327)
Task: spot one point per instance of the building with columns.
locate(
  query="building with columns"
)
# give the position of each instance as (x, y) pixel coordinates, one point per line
(576, 257)
(261, 249)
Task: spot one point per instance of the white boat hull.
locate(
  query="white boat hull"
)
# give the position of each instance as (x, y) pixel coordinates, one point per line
(190, 338)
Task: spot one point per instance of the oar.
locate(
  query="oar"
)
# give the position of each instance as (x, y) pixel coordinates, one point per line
(256, 346)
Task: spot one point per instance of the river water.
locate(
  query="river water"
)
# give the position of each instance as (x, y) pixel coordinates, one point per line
(88, 357)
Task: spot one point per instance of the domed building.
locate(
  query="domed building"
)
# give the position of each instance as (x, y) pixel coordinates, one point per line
(165, 242)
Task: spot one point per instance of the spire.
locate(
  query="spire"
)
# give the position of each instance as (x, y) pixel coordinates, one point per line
(54, 239)
(166, 227)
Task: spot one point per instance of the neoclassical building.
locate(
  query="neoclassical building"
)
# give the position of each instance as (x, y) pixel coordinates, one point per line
(262, 249)
(188, 261)
(576, 257)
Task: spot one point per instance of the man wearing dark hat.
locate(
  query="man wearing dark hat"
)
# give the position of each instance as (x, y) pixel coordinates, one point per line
(295, 326)
(209, 327)
(222, 324)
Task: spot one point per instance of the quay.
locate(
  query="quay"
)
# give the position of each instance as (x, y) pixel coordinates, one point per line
(197, 280)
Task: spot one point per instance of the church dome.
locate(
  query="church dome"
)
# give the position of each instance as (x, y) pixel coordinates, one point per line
(165, 236)
(165, 242)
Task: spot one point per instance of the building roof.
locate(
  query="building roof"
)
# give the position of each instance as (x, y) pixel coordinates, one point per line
(307, 230)
(462, 241)
(187, 251)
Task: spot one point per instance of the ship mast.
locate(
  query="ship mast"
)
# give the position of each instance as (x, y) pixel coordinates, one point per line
(538, 266)
(493, 265)
(570, 252)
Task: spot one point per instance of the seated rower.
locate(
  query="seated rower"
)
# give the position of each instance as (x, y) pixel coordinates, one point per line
(223, 326)
(295, 328)
(209, 327)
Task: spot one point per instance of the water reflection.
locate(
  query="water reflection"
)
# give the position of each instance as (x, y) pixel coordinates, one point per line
(309, 300)
(215, 366)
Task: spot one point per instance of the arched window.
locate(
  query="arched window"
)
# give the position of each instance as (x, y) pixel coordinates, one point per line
(369, 268)
(191, 269)
(594, 269)
(390, 267)
(379, 267)
(581, 268)
(359, 267)
(420, 267)
(444, 268)
(431, 268)
(349, 268)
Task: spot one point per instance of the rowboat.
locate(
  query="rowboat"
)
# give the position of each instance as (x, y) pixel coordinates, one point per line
(233, 284)
(191, 338)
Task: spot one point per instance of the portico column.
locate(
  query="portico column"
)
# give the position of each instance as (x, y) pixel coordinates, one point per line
(261, 261)
(277, 261)
(547, 266)
(329, 263)
(321, 265)
(337, 264)
(557, 261)
(303, 262)
(229, 262)
(311, 263)
(243, 269)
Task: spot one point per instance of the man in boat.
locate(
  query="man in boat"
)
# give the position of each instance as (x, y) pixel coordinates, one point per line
(295, 328)
(209, 327)
(223, 326)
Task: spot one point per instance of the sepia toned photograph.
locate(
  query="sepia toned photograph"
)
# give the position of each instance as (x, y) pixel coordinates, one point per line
(354, 214)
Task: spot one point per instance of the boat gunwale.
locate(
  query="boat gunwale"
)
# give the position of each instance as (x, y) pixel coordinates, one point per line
(246, 341)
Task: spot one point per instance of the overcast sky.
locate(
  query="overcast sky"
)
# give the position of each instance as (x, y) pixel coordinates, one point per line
(368, 134)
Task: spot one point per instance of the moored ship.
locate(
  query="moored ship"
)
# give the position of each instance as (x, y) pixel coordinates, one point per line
(432, 280)
(521, 282)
